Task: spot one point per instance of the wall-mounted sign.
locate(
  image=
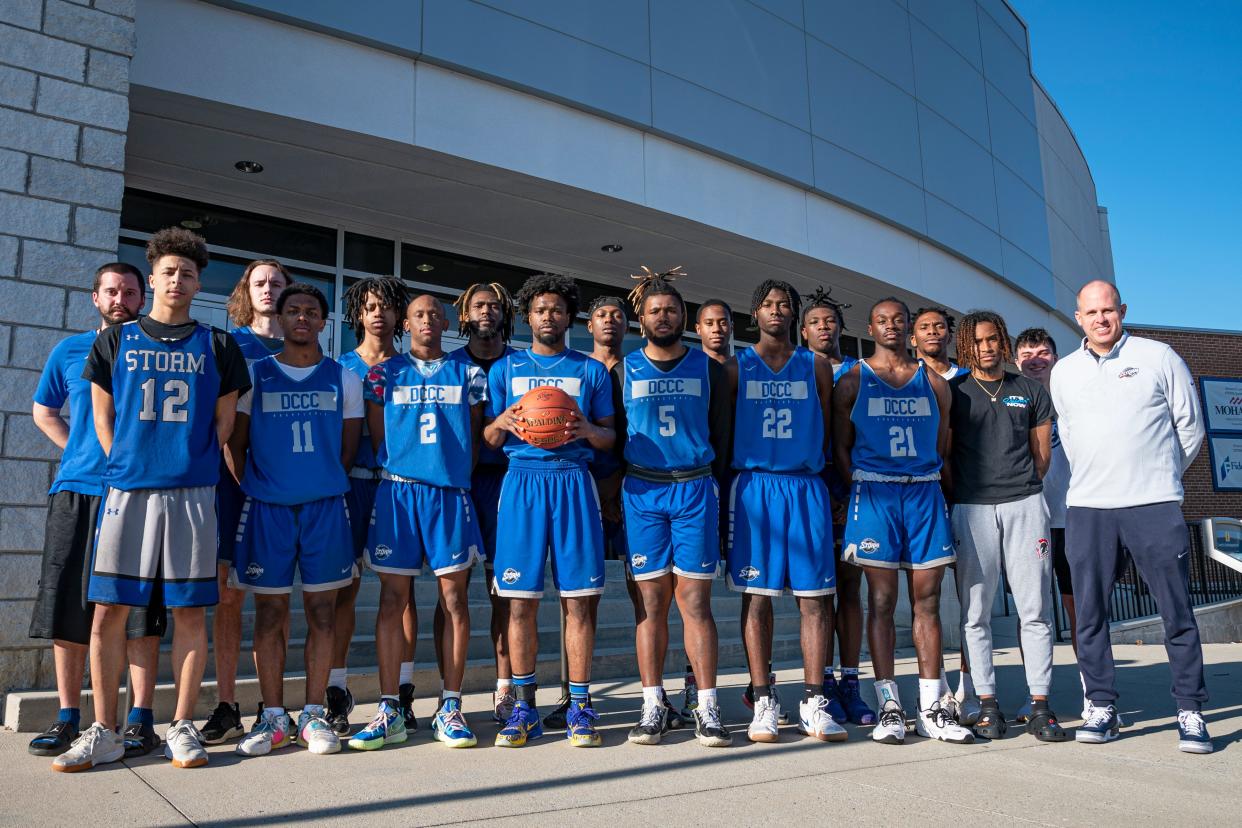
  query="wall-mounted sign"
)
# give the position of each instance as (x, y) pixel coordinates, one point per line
(1226, 455)
(1222, 403)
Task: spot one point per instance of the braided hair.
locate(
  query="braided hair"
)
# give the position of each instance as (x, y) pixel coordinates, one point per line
(541, 283)
(949, 321)
(761, 293)
(966, 337)
(823, 299)
(392, 293)
(651, 283)
(462, 303)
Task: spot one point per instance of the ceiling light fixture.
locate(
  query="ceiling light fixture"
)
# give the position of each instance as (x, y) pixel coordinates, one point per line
(612, 248)
(191, 224)
(249, 167)
(425, 268)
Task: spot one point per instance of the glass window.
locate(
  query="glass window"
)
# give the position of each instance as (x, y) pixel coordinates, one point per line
(367, 254)
(849, 346)
(868, 348)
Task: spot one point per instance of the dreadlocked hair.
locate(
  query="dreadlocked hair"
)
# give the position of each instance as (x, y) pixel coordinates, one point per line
(823, 299)
(651, 283)
(392, 293)
(462, 303)
(542, 283)
(761, 293)
(949, 321)
(966, 337)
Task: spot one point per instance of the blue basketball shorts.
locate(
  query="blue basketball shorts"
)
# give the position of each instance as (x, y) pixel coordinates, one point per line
(485, 492)
(898, 526)
(672, 527)
(780, 535)
(548, 509)
(229, 500)
(273, 539)
(415, 523)
(361, 500)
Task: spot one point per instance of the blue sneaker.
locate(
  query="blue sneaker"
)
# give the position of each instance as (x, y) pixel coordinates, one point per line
(1192, 732)
(449, 726)
(387, 728)
(580, 725)
(523, 726)
(1101, 725)
(850, 696)
(832, 692)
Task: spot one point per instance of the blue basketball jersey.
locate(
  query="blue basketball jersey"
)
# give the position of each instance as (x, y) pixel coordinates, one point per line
(165, 396)
(295, 434)
(895, 429)
(365, 456)
(666, 412)
(778, 424)
(955, 370)
(579, 376)
(488, 456)
(839, 370)
(427, 433)
(253, 346)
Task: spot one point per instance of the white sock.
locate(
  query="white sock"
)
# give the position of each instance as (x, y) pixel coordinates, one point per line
(407, 673)
(943, 685)
(275, 711)
(653, 695)
(930, 691)
(707, 698)
(313, 709)
(886, 690)
(337, 676)
(502, 683)
(965, 685)
(449, 694)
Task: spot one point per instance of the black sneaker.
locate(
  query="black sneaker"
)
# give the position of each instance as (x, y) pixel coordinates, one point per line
(675, 719)
(652, 725)
(556, 720)
(55, 740)
(140, 739)
(340, 704)
(224, 724)
(708, 728)
(406, 702)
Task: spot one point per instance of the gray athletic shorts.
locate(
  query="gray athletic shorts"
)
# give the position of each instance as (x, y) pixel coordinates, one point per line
(156, 539)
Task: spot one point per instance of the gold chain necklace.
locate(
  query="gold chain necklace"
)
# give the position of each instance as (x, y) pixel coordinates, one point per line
(991, 394)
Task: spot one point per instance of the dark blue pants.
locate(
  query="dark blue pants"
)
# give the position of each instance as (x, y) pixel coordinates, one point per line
(1156, 538)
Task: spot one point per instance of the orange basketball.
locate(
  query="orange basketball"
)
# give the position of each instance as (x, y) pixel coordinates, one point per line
(546, 411)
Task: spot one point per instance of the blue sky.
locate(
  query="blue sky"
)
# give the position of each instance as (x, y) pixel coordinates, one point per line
(1153, 91)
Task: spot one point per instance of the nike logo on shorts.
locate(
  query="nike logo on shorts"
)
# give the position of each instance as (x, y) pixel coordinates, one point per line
(459, 554)
(597, 578)
(946, 548)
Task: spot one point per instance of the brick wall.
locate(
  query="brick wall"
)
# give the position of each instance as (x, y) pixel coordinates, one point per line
(64, 110)
(1211, 354)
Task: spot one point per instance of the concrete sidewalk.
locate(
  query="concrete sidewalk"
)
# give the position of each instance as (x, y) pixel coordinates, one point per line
(1139, 779)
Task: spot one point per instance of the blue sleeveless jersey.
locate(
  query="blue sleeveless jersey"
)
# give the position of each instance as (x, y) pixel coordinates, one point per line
(295, 434)
(252, 346)
(165, 396)
(666, 413)
(895, 429)
(779, 424)
(427, 422)
(839, 370)
(488, 456)
(579, 376)
(365, 456)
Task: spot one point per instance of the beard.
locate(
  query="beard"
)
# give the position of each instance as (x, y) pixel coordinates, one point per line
(473, 330)
(550, 340)
(663, 341)
(118, 316)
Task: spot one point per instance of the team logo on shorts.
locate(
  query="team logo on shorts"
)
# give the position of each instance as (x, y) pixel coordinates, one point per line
(869, 546)
(382, 553)
(254, 571)
(510, 576)
(1041, 548)
(748, 573)
(638, 561)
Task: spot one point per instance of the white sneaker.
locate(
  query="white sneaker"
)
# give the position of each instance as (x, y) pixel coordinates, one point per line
(97, 745)
(940, 722)
(270, 732)
(891, 728)
(765, 726)
(184, 745)
(1086, 712)
(817, 722)
(315, 734)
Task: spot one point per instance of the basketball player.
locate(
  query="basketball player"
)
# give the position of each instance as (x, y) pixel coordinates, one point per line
(892, 431)
(425, 412)
(296, 432)
(930, 335)
(164, 397)
(1001, 435)
(714, 325)
(822, 323)
(61, 612)
(676, 411)
(372, 308)
(485, 318)
(549, 505)
(780, 533)
(252, 307)
(607, 323)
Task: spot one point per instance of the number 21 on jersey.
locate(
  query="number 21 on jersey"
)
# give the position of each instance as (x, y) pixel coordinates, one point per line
(901, 442)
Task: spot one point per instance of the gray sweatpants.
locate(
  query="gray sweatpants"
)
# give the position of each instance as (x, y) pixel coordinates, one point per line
(1015, 535)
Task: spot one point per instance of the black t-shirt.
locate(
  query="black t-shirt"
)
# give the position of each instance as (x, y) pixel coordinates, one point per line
(991, 454)
(230, 363)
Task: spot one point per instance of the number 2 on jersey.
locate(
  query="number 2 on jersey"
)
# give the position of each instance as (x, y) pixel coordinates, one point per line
(901, 442)
(427, 428)
(777, 423)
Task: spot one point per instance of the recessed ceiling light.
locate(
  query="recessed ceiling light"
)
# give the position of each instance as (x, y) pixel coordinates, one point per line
(425, 268)
(249, 166)
(191, 224)
(612, 248)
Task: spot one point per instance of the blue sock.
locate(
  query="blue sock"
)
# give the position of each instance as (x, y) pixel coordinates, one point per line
(580, 691)
(524, 687)
(70, 714)
(141, 715)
